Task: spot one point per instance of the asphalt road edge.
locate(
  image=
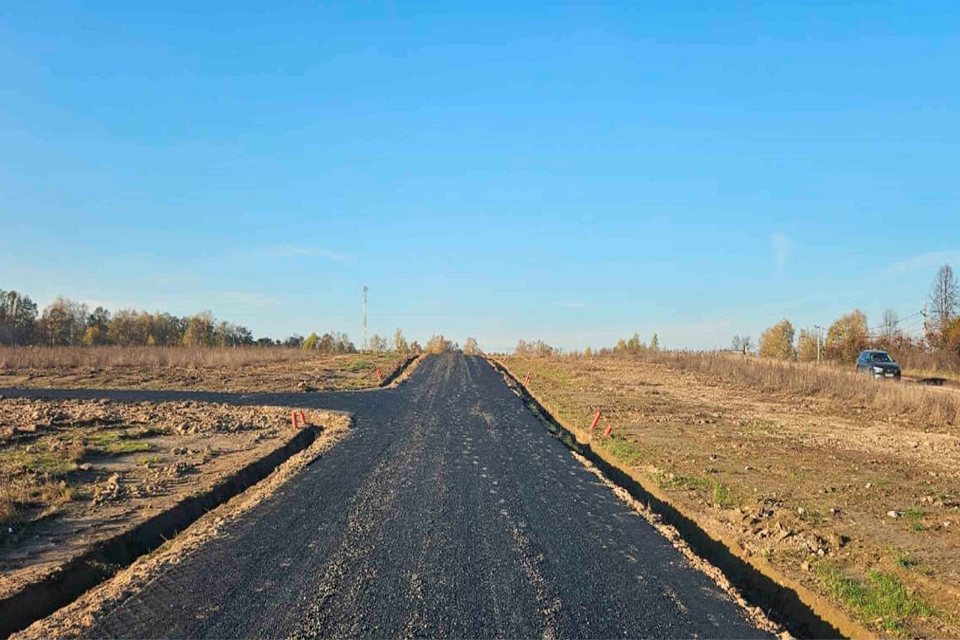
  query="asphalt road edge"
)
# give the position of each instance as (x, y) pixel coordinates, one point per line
(802, 612)
(401, 372)
(104, 559)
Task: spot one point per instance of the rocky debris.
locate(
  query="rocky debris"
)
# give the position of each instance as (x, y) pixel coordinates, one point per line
(174, 470)
(187, 451)
(86, 466)
(147, 489)
(893, 514)
(110, 491)
(22, 418)
(303, 386)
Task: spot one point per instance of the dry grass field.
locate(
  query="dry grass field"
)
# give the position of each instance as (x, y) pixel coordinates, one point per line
(242, 369)
(845, 485)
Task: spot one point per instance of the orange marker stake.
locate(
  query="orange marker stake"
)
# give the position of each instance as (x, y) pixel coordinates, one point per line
(303, 418)
(379, 375)
(526, 380)
(596, 419)
(608, 430)
(293, 418)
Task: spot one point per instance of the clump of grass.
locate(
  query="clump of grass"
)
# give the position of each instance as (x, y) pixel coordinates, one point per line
(148, 460)
(882, 601)
(717, 491)
(906, 562)
(19, 497)
(622, 449)
(9, 509)
(916, 515)
(359, 365)
(725, 496)
(767, 426)
(114, 443)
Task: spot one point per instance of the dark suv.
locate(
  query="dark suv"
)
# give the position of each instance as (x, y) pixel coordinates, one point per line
(878, 363)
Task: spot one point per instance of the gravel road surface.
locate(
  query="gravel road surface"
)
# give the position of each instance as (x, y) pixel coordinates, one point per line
(448, 512)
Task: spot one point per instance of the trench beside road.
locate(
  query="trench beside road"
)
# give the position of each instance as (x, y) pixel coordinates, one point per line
(448, 511)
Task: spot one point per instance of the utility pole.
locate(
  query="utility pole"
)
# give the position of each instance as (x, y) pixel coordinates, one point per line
(364, 318)
(818, 328)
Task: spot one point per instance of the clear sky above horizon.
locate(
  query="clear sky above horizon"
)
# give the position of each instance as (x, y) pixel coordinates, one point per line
(503, 171)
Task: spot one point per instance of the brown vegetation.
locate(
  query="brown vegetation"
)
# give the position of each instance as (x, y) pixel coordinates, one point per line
(19, 358)
(246, 369)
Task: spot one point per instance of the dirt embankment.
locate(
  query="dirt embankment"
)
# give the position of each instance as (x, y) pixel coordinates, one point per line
(848, 502)
(86, 486)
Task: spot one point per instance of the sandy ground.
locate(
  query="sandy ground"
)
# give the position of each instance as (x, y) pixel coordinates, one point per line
(795, 481)
(75, 472)
(321, 372)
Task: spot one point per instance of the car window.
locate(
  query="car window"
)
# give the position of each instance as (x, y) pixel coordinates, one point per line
(881, 357)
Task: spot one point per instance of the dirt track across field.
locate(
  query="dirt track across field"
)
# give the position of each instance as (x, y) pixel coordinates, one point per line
(447, 511)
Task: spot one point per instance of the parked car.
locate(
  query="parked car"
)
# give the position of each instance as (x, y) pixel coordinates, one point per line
(879, 364)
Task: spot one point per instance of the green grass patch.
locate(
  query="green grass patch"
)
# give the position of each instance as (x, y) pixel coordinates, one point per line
(114, 443)
(882, 601)
(693, 482)
(51, 464)
(725, 496)
(623, 450)
(906, 562)
(767, 426)
(714, 490)
(148, 460)
(914, 513)
(359, 365)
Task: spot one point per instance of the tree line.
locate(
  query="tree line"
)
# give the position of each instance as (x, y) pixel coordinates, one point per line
(850, 334)
(66, 322)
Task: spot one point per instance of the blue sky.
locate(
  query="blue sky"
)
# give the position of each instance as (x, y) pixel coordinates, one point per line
(505, 170)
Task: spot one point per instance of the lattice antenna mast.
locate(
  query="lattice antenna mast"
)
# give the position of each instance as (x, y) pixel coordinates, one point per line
(365, 318)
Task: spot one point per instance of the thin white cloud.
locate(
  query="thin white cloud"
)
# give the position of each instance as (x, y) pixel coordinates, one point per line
(297, 251)
(782, 246)
(930, 260)
(573, 305)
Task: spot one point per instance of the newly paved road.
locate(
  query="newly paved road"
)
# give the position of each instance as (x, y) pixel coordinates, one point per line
(448, 512)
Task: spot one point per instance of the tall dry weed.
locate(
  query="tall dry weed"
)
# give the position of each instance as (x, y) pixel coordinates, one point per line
(934, 406)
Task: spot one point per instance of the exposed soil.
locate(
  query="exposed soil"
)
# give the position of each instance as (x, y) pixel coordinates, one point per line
(73, 619)
(319, 373)
(798, 482)
(76, 472)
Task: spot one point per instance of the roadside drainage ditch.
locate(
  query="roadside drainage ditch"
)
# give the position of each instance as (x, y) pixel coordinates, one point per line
(104, 559)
